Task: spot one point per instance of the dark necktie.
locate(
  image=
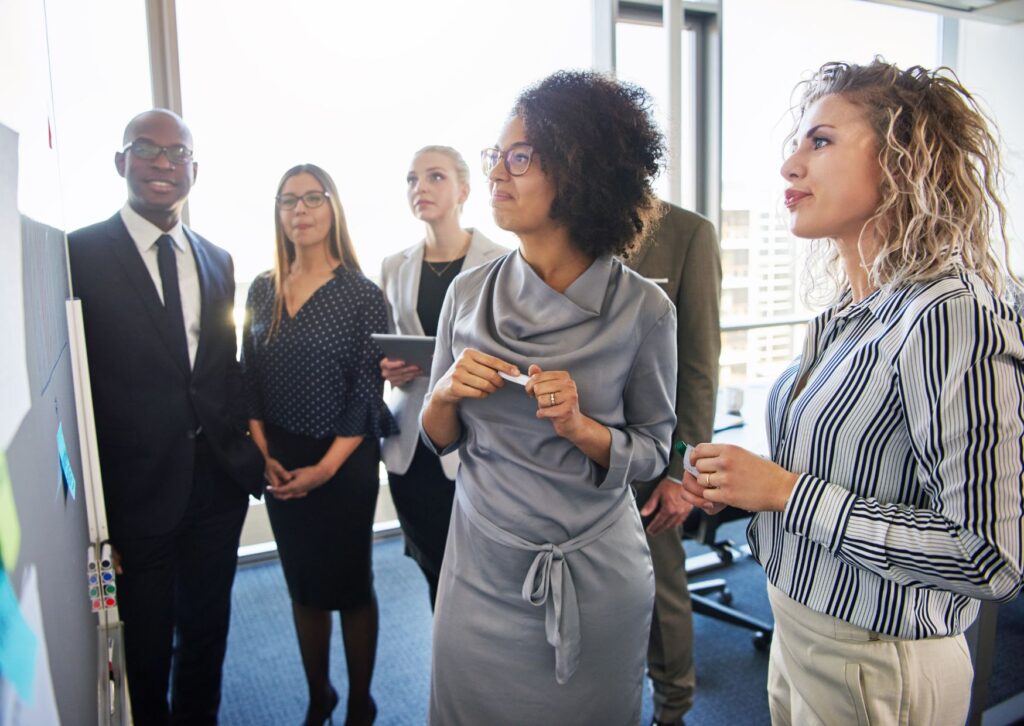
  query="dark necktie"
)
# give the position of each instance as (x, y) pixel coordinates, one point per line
(168, 264)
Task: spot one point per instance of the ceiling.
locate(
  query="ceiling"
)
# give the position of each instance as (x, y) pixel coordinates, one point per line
(993, 11)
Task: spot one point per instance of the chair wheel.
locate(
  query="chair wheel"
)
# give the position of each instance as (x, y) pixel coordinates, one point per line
(762, 641)
(725, 597)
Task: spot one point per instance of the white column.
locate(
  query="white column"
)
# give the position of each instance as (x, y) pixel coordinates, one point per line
(603, 35)
(672, 22)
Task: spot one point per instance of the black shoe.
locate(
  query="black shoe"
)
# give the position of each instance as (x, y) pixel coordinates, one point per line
(318, 718)
(372, 716)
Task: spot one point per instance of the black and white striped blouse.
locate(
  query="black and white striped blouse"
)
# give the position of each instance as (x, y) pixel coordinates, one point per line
(908, 435)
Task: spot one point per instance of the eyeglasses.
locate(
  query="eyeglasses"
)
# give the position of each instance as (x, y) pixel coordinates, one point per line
(176, 154)
(310, 199)
(517, 159)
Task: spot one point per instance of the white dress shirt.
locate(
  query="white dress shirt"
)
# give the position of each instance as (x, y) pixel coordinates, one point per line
(145, 234)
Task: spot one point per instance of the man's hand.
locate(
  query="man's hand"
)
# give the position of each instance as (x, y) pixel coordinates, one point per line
(671, 507)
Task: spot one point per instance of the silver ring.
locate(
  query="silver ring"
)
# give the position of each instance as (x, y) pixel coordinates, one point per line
(551, 399)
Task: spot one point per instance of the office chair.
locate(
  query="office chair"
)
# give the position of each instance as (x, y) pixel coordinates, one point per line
(702, 528)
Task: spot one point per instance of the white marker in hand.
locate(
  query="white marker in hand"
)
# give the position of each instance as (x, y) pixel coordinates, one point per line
(521, 379)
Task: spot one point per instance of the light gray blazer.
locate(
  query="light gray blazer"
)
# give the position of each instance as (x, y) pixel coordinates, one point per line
(400, 280)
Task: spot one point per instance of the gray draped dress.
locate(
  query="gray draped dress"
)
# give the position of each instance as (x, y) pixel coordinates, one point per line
(545, 596)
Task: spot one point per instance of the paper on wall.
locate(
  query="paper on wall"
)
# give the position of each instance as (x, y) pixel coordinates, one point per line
(14, 387)
(41, 709)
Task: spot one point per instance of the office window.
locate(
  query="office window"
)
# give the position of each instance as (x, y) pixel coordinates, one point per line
(766, 49)
(355, 88)
(641, 57)
(92, 101)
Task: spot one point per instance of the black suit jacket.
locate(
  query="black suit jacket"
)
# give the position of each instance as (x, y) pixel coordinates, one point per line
(148, 406)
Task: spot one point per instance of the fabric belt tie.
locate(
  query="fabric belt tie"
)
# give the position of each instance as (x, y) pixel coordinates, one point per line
(549, 580)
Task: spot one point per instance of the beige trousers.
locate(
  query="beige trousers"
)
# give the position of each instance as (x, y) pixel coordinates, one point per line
(823, 670)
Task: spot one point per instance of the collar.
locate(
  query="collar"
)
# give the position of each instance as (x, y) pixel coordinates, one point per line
(475, 238)
(846, 308)
(524, 306)
(145, 234)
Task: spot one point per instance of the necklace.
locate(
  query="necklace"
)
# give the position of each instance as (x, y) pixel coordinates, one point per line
(440, 272)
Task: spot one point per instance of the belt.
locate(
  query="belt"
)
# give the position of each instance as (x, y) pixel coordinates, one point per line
(549, 580)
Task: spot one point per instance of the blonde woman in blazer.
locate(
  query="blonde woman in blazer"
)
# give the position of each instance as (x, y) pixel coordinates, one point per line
(414, 282)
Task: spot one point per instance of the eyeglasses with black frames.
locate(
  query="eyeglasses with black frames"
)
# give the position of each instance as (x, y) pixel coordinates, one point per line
(312, 200)
(144, 149)
(517, 159)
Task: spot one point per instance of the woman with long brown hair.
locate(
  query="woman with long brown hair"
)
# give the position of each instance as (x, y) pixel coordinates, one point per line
(314, 392)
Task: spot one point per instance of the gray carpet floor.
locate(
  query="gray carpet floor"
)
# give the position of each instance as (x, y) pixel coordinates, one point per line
(263, 681)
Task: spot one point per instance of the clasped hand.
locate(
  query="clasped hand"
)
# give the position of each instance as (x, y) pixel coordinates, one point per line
(294, 484)
(475, 375)
(731, 475)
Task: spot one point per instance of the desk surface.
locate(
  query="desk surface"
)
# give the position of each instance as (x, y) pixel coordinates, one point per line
(752, 435)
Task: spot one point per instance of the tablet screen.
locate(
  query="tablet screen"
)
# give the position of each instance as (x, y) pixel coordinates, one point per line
(417, 350)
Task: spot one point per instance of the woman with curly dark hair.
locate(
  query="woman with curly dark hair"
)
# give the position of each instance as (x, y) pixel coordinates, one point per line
(545, 596)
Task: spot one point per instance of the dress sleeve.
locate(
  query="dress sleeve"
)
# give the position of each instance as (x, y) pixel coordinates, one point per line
(363, 412)
(442, 361)
(250, 357)
(640, 449)
(961, 386)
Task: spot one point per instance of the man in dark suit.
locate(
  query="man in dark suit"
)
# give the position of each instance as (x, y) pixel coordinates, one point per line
(176, 460)
(683, 255)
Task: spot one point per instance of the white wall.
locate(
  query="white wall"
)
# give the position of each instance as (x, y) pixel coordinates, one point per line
(990, 60)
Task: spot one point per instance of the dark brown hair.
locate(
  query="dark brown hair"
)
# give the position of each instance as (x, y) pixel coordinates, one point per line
(601, 149)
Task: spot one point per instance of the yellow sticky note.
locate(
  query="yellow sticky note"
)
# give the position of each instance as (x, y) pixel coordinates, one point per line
(10, 527)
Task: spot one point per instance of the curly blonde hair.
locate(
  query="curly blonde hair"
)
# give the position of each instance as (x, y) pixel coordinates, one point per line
(941, 172)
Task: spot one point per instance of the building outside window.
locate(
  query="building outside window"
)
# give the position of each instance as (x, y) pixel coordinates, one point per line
(766, 49)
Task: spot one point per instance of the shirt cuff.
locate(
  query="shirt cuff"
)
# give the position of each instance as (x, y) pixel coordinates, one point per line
(620, 456)
(453, 446)
(819, 511)
(372, 419)
(676, 468)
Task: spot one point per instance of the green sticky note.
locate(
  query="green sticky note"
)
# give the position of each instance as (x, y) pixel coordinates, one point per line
(10, 527)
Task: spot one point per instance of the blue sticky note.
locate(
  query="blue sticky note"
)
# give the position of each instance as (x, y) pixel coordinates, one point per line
(65, 461)
(18, 644)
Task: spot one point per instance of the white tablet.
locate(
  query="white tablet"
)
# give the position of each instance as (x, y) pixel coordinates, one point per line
(417, 350)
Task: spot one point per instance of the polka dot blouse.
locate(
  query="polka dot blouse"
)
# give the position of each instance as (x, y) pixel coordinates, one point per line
(320, 374)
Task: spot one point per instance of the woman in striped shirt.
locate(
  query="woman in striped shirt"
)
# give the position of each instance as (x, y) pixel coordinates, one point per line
(893, 501)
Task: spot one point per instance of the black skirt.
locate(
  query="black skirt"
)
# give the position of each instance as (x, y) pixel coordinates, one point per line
(423, 498)
(325, 539)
